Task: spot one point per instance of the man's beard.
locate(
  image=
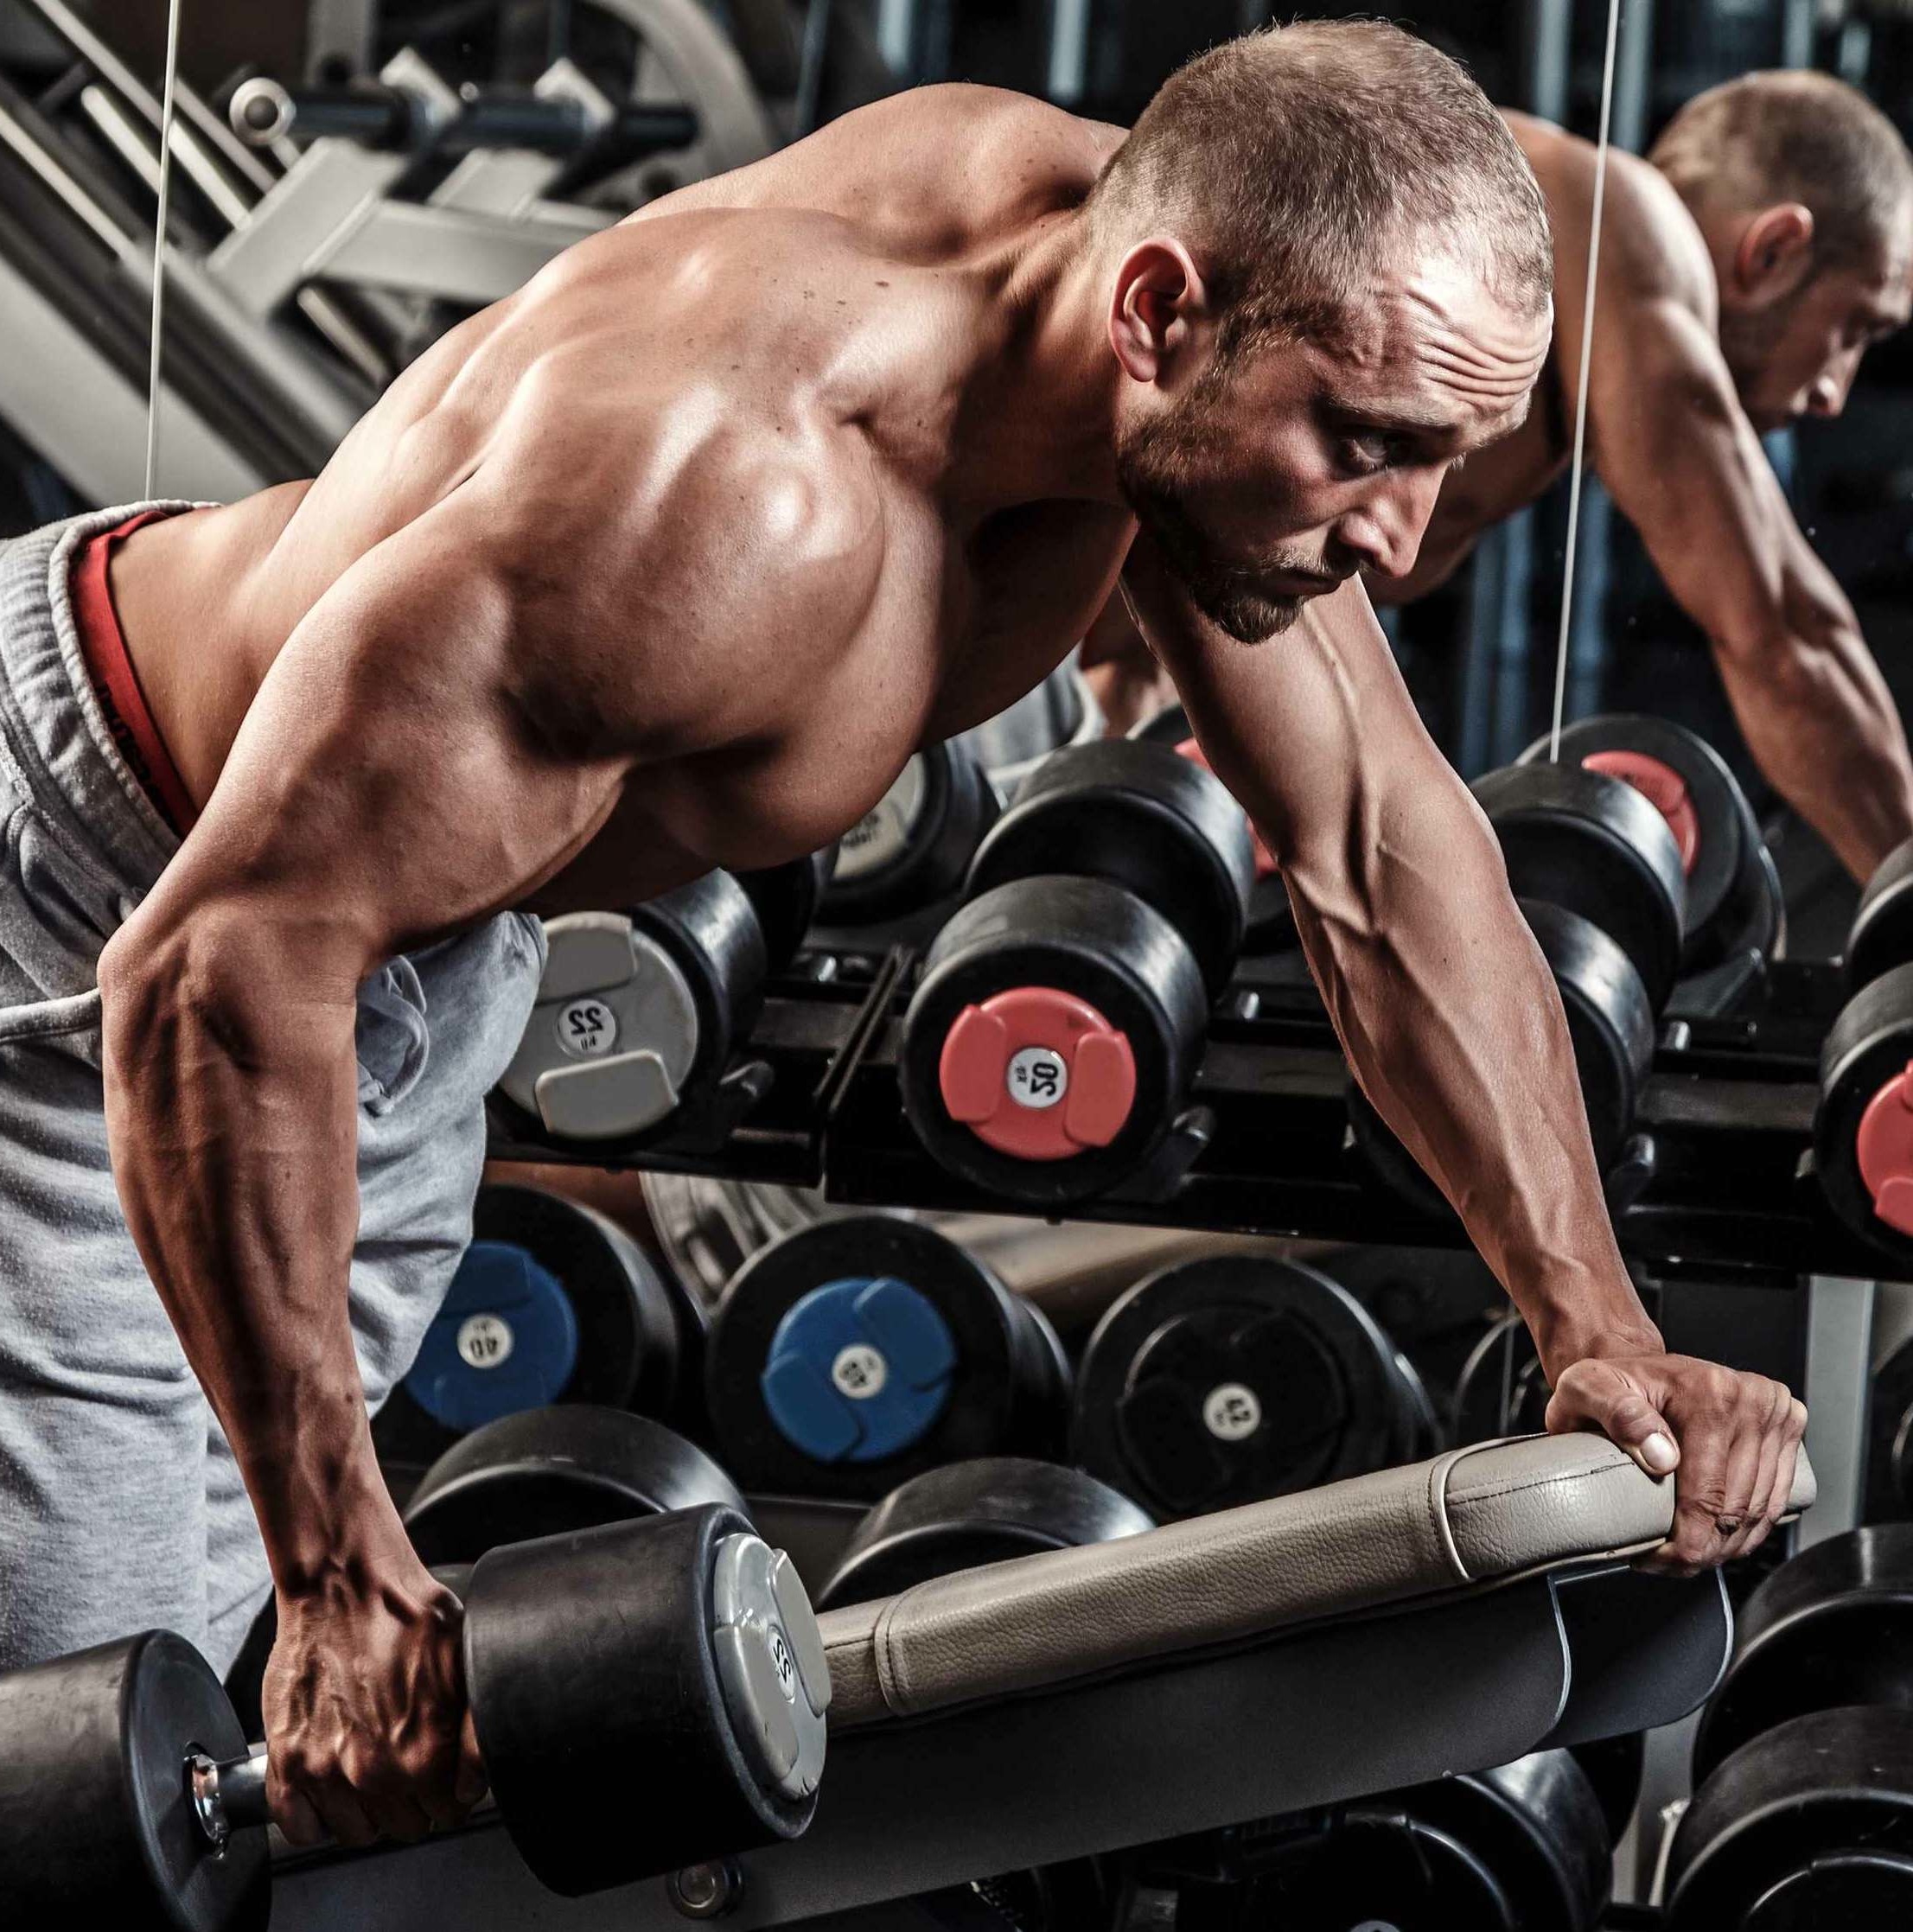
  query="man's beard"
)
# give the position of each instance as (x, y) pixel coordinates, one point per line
(1151, 466)
(1747, 344)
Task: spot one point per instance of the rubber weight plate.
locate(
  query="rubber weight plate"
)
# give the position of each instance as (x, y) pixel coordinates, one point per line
(1807, 1828)
(552, 1470)
(1521, 1848)
(1889, 1437)
(552, 1302)
(1882, 934)
(914, 847)
(95, 1827)
(985, 1510)
(1051, 1039)
(633, 1011)
(1271, 927)
(1831, 1626)
(788, 900)
(647, 1695)
(1132, 814)
(859, 1351)
(1232, 1378)
(1592, 845)
(1688, 782)
(1862, 1131)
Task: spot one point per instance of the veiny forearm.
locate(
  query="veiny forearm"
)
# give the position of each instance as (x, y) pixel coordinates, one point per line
(1821, 723)
(232, 1118)
(1454, 1027)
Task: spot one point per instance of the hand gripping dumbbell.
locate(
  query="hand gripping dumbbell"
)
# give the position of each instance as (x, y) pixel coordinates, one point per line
(636, 1011)
(646, 1696)
(1596, 870)
(1062, 1009)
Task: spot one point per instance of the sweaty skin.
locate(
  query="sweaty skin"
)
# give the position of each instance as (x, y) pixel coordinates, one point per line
(1680, 453)
(1677, 442)
(669, 561)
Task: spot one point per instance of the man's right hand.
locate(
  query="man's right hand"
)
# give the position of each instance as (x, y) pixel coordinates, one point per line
(368, 1732)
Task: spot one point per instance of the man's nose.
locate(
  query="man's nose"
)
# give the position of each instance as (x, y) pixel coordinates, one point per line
(1385, 534)
(1831, 387)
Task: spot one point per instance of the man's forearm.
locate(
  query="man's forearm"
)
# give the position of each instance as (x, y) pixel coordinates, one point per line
(1454, 1027)
(232, 1118)
(1822, 726)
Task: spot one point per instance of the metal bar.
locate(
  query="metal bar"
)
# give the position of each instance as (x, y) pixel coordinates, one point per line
(1839, 1381)
(897, 35)
(449, 252)
(1068, 50)
(1353, 1706)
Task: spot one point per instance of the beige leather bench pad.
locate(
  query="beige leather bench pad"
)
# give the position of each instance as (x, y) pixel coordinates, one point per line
(1483, 1514)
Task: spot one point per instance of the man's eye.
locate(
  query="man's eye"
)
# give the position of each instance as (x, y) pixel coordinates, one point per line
(1363, 455)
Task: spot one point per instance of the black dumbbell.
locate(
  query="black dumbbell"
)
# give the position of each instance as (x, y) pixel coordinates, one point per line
(1881, 936)
(914, 847)
(1890, 1438)
(986, 1510)
(551, 1302)
(1523, 1847)
(1807, 1827)
(1831, 1626)
(1231, 1378)
(788, 900)
(1271, 927)
(128, 1795)
(1734, 904)
(1863, 1127)
(866, 1349)
(1592, 845)
(569, 1468)
(1062, 1010)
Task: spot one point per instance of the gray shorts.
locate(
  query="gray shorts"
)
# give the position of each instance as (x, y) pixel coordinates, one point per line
(120, 1505)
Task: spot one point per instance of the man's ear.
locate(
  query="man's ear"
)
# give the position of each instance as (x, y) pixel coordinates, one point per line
(1776, 253)
(1159, 310)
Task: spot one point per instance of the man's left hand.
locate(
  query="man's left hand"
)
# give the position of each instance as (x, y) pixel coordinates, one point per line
(1731, 1441)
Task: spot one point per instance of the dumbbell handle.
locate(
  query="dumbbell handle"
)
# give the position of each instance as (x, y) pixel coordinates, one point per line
(229, 1796)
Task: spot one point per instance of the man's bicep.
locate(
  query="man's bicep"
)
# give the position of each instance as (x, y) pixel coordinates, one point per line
(1678, 455)
(387, 785)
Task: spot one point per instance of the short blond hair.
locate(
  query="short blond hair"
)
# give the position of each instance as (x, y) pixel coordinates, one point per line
(1288, 158)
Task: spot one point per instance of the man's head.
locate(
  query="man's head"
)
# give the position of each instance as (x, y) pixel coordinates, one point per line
(1331, 276)
(1804, 192)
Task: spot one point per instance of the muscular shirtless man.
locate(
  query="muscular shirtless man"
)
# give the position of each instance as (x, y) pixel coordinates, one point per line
(1746, 266)
(668, 561)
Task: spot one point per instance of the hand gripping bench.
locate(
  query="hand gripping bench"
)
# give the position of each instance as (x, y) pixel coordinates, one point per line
(1443, 1616)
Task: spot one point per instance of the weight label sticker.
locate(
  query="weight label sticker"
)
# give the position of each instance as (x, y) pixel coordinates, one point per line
(883, 835)
(783, 1662)
(484, 1341)
(1037, 1077)
(586, 1029)
(859, 1372)
(1232, 1411)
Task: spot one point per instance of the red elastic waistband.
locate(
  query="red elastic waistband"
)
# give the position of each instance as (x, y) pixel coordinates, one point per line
(115, 684)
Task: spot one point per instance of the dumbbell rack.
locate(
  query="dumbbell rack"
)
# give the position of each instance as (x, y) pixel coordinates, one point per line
(1717, 1174)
